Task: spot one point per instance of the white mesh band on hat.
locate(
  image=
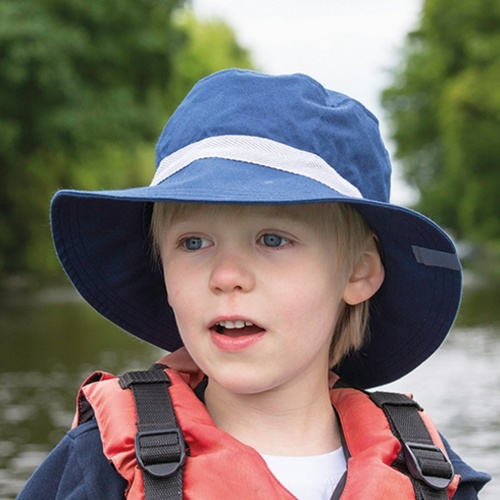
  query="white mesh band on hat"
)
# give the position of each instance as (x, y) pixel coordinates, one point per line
(258, 150)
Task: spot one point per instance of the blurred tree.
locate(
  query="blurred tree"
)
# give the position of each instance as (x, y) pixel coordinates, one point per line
(444, 105)
(84, 86)
(76, 76)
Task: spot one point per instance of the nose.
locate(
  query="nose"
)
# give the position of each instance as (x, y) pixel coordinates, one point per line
(232, 272)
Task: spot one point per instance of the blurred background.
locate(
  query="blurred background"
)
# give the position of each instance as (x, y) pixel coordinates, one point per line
(85, 89)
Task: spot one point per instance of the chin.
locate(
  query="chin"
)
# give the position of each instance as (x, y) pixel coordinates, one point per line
(244, 385)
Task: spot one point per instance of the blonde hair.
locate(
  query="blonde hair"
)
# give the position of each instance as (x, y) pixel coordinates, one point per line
(341, 220)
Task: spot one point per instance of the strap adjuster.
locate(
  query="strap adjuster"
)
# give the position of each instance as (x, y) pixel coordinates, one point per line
(428, 464)
(160, 452)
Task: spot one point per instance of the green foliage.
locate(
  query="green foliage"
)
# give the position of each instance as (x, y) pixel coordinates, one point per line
(444, 105)
(85, 89)
(77, 76)
(74, 71)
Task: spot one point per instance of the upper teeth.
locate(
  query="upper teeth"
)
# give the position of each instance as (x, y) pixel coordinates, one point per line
(234, 324)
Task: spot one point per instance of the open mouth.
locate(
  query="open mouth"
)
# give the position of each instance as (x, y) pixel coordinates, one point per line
(237, 335)
(238, 328)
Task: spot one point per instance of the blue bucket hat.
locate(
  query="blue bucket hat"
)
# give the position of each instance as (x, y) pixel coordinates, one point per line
(245, 137)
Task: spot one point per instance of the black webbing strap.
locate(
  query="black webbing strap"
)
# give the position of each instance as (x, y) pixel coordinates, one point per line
(425, 463)
(159, 444)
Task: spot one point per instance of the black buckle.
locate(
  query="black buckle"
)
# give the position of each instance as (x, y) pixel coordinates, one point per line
(168, 456)
(413, 456)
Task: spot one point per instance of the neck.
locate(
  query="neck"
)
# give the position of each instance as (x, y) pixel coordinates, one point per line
(282, 421)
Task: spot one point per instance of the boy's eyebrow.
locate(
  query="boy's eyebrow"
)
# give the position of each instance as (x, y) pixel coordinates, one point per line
(265, 219)
(277, 212)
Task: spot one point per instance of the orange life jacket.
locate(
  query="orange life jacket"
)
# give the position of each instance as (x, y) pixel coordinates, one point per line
(217, 464)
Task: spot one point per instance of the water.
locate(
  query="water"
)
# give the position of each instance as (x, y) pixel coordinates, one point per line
(51, 341)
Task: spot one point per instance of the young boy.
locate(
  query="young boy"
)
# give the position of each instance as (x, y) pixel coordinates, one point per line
(264, 253)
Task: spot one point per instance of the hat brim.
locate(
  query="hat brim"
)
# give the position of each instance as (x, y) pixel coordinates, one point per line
(103, 242)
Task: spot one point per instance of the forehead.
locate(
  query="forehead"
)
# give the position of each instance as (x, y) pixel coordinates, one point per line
(307, 212)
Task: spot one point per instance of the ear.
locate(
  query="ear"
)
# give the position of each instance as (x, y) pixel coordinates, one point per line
(366, 276)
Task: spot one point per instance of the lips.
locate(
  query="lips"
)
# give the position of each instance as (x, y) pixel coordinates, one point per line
(237, 328)
(236, 335)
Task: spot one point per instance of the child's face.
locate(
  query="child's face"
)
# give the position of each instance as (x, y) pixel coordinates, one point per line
(255, 294)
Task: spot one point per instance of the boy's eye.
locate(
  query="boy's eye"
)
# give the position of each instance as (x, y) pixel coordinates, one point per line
(274, 240)
(194, 243)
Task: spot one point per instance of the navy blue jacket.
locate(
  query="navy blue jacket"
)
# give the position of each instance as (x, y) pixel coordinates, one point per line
(77, 469)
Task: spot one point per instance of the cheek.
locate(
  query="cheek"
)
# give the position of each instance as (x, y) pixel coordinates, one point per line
(315, 304)
(181, 303)
(179, 287)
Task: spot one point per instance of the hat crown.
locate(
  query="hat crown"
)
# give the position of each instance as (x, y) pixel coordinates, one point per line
(294, 110)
